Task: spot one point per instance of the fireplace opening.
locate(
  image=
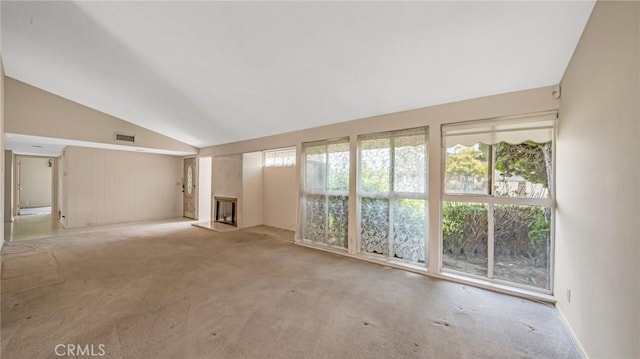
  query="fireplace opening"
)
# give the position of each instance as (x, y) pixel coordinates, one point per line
(226, 210)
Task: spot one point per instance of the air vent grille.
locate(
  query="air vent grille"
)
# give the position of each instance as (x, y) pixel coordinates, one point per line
(126, 138)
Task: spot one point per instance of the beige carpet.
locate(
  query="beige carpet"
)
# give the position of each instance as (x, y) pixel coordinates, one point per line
(177, 291)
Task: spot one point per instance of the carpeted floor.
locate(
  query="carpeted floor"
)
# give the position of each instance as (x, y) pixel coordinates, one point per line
(171, 290)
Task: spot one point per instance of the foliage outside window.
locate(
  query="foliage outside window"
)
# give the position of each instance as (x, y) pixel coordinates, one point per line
(393, 196)
(283, 157)
(497, 206)
(325, 187)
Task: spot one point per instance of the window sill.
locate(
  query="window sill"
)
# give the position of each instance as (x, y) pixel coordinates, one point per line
(322, 246)
(474, 282)
(496, 287)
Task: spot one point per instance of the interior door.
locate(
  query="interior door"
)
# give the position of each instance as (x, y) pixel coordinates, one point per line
(189, 188)
(18, 183)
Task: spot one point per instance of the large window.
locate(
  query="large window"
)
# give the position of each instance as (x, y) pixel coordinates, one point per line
(497, 210)
(325, 192)
(393, 194)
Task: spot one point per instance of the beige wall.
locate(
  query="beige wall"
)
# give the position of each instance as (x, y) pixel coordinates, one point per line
(2, 168)
(521, 102)
(280, 204)
(598, 177)
(8, 188)
(35, 181)
(252, 190)
(31, 111)
(106, 186)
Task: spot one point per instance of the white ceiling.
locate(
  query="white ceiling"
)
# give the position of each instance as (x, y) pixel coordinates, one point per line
(209, 73)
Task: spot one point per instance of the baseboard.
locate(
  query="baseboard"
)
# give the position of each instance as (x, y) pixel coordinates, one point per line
(572, 335)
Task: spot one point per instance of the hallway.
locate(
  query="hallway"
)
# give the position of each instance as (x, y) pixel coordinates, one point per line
(32, 227)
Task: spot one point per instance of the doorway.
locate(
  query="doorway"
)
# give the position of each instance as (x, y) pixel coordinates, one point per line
(34, 185)
(189, 188)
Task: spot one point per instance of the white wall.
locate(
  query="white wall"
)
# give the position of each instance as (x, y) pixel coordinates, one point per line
(514, 103)
(36, 177)
(62, 186)
(280, 204)
(204, 188)
(227, 180)
(106, 186)
(598, 181)
(227, 176)
(55, 205)
(252, 189)
(267, 195)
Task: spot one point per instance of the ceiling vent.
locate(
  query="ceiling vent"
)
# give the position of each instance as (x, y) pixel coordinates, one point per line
(125, 138)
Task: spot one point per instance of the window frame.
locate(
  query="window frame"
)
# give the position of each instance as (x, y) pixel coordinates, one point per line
(392, 195)
(326, 192)
(491, 200)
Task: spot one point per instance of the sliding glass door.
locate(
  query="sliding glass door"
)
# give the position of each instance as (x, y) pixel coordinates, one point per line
(496, 205)
(325, 192)
(393, 195)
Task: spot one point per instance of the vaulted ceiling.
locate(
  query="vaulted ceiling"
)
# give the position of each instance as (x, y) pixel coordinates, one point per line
(208, 73)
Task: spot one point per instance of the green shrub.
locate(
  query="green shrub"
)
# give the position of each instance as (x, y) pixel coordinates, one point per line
(520, 232)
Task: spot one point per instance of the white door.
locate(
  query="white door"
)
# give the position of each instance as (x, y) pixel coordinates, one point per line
(17, 181)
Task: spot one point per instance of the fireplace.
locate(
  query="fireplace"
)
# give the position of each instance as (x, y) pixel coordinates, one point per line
(226, 210)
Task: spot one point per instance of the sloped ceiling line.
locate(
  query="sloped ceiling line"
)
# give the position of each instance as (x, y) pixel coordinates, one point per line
(208, 73)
